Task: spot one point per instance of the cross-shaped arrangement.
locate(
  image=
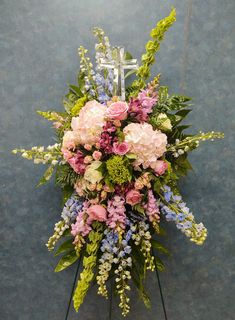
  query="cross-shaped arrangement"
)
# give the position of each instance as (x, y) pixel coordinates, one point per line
(118, 64)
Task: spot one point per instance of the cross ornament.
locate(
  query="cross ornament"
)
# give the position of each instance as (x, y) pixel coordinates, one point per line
(119, 64)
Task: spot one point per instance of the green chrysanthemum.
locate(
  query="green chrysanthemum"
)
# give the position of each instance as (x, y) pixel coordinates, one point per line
(118, 169)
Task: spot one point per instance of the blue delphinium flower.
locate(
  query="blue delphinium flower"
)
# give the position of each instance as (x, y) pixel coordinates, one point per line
(167, 193)
(181, 215)
(71, 209)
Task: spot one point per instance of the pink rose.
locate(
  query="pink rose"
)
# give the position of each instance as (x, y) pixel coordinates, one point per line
(160, 167)
(133, 197)
(97, 155)
(117, 111)
(120, 148)
(97, 212)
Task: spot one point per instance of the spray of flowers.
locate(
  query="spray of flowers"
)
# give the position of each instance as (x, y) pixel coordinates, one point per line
(118, 164)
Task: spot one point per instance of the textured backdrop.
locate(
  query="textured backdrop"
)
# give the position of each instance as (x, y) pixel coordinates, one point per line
(38, 47)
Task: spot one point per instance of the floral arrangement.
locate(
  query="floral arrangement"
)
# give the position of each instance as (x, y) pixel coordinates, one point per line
(118, 163)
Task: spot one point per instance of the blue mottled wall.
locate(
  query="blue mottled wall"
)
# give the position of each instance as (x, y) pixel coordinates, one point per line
(38, 48)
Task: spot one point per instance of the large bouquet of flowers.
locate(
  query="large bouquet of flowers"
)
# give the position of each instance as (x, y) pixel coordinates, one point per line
(118, 159)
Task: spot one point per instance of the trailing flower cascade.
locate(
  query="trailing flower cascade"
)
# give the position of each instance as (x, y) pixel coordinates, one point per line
(118, 164)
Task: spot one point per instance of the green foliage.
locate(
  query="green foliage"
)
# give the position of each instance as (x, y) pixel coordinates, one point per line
(118, 169)
(89, 263)
(181, 165)
(159, 264)
(166, 102)
(152, 47)
(78, 106)
(138, 274)
(52, 115)
(65, 176)
(67, 260)
(67, 193)
(159, 247)
(64, 247)
(47, 175)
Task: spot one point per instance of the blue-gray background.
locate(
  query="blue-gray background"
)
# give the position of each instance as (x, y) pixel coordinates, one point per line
(38, 47)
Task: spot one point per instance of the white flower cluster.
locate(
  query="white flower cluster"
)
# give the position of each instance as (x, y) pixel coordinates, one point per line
(39, 154)
(59, 229)
(142, 238)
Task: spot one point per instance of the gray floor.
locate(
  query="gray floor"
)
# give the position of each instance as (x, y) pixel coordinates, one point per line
(38, 47)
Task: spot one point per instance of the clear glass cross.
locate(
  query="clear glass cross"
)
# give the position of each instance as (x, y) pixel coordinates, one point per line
(119, 64)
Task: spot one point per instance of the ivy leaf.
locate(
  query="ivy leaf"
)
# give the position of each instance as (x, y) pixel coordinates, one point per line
(66, 261)
(46, 176)
(66, 246)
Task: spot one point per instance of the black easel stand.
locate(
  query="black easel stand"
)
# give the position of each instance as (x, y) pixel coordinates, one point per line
(111, 293)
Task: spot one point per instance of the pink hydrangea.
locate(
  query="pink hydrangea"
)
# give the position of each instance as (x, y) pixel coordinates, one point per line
(146, 143)
(70, 140)
(89, 124)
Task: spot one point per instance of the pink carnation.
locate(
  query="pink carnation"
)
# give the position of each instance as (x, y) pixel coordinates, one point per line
(97, 213)
(160, 167)
(133, 197)
(120, 148)
(117, 111)
(77, 162)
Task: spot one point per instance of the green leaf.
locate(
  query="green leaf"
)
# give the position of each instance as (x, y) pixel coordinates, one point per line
(66, 261)
(67, 193)
(128, 55)
(46, 176)
(65, 176)
(76, 90)
(159, 247)
(139, 209)
(131, 156)
(66, 246)
(160, 265)
(67, 233)
(182, 165)
(129, 73)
